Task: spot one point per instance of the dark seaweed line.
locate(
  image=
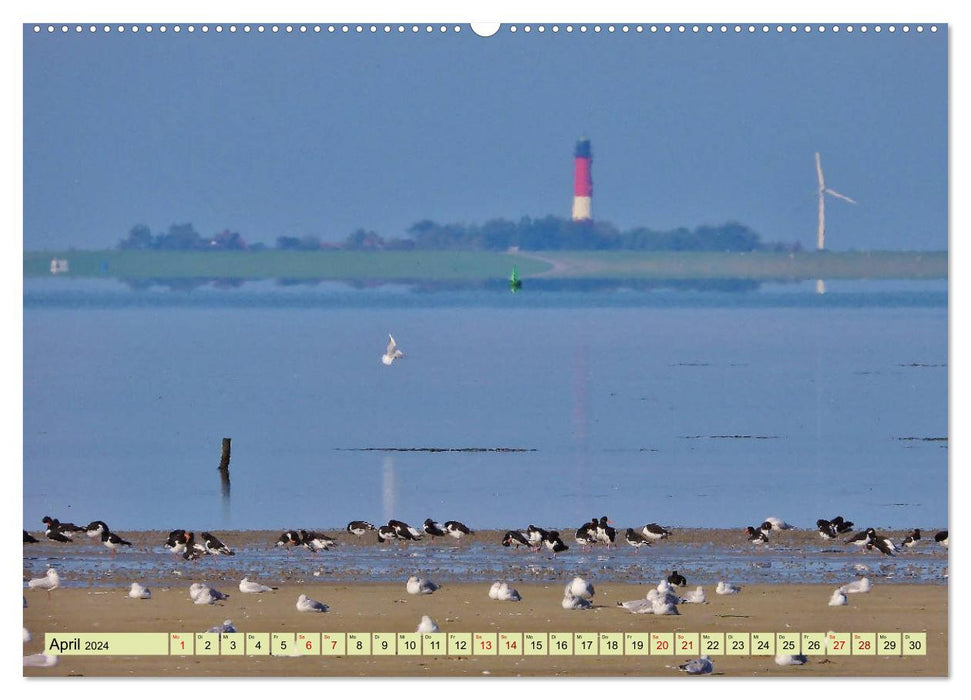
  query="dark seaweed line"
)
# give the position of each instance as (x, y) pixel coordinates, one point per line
(731, 437)
(925, 439)
(435, 449)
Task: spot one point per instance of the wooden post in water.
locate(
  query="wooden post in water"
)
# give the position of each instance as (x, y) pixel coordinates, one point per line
(224, 466)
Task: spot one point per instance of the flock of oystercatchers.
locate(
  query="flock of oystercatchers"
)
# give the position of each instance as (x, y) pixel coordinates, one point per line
(597, 531)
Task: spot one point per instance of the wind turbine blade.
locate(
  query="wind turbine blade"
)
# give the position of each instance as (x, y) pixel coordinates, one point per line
(841, 196)
(819, 171)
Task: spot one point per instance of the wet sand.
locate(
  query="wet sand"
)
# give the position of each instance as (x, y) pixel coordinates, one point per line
(385, 607)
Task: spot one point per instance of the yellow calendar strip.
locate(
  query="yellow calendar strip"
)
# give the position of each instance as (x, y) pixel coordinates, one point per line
(457, 644)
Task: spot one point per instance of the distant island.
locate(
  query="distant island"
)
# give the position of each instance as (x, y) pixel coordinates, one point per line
(547, 253)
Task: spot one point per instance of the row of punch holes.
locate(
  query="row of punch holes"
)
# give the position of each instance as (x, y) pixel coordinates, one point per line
(512, 29)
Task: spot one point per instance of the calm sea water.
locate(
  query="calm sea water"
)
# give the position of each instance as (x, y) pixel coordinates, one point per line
(692, 409)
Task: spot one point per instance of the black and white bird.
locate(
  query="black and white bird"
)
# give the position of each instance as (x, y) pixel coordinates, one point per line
(175, 542)
(554, 543)
(29, 538)
(432, 528)
(605, 533)
(58, 526)
(386, 533)
(842, 526)
(862, 539)
(536, 536)
(941, 538)
(676, 579)
(316, 542)
(404, 530)
(586, 535)
(214, 546)
(883, 544)
(826, 529)
(359, 527)
(756, 536)
(697, 667)
(193, 550)
(55, 534)
(636, 539)
(113, 542)
(290, 538)
(456, 529)
(514, 538)
(653, 531)
(96, 527)
(392, 353)
(912, 539)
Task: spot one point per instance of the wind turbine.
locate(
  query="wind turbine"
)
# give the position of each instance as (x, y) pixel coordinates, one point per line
(823, 191)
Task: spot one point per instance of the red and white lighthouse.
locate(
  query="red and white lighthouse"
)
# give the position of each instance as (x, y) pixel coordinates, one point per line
(582, 181)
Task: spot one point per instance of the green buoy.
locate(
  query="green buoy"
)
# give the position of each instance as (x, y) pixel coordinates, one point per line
(515, 284)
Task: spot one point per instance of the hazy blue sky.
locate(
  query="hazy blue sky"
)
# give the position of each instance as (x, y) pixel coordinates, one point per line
(320, 134)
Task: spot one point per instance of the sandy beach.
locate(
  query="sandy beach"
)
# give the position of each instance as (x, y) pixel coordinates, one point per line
(464, 607)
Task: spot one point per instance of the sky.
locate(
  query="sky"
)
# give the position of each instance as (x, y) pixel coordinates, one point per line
(290, 134)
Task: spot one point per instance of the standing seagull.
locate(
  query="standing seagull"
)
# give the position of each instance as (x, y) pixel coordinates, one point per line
(392, 353)
(48, 583)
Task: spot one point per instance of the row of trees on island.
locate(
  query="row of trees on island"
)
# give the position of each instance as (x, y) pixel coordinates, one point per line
(547, 233)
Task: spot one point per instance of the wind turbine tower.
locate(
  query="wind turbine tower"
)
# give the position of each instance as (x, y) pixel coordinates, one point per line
(823, 191)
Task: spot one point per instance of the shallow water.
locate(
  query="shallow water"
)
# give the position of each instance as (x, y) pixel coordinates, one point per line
(692, 409)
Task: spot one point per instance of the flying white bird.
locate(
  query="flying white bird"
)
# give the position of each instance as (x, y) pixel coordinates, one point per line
(726, 588)
(419, 586)
(48, 583)
(427, 624)
(580, 588)
(697, 667)
(790, 659)
(305, 604)
(247, 586)
(139, 591)
(392, 353)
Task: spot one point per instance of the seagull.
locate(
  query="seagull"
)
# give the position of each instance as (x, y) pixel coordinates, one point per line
(305, 604)
(456, 529)
(726, 588)
(139, 591)
(676, 579)
(214, 546)
(791, 659)
(838, 598)
(392, 353)
(912, 539)
(427, 624)
(432, 528)
(514, 538)
(641, 606)
(203, 594)
(777, 524)
(359, 527)
(494, 590)
(572, 602)
(636, 540)
(862, 585)
(695, 596)
(580, 588)
(941, 538)
(48, 583)
(226, 627)
(663, 606)
(113, 541)
(315, 542)
(29, 538)
(505, 593)
(697, 667)
(419, 586)
(40, 660)
(653, 531)
(247, 586)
